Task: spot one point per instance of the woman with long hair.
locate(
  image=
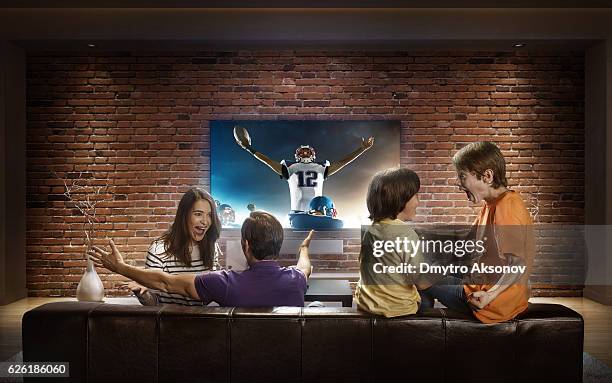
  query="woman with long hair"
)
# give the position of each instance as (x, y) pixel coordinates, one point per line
(188, 246)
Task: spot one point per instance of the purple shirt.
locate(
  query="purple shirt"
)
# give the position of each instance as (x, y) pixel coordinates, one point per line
(263, 284)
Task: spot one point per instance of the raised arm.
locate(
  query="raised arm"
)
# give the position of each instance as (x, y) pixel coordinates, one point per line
(154, 279)
(336, 166)
(303, 262)
(275, 166)
(244, 141)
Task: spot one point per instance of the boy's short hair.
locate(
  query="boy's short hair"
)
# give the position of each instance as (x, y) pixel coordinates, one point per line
(389, 191)
(477, 157)
(264, 233)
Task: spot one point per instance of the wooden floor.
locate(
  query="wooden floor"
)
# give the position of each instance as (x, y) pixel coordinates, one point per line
(597, 325)
(597, 319)
(10, 322)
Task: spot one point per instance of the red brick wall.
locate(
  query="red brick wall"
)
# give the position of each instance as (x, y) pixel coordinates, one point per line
(140, 121)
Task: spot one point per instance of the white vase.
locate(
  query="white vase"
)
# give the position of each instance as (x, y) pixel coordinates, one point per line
(90, 288)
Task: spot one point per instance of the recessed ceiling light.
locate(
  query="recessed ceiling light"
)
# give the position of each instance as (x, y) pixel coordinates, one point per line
(91, 45)
(519, 45)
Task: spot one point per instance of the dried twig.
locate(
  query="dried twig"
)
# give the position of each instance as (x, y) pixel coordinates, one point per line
(534, 206)
(85, 198)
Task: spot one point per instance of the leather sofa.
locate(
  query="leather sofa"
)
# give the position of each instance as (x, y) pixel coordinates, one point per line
(120, 343)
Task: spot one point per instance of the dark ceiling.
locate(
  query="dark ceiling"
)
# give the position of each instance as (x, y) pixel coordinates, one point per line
(185, 24)
(306, 4)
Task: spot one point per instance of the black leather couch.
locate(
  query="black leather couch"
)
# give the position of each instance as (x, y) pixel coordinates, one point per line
(118, 343)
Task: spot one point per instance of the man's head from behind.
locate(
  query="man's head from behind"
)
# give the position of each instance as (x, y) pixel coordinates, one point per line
(305, 154)
(480, 166)
(262, 236)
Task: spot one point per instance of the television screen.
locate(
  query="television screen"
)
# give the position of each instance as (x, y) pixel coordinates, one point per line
(243, 180)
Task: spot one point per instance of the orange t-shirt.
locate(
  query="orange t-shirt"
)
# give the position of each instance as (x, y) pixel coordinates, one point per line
(513, 231)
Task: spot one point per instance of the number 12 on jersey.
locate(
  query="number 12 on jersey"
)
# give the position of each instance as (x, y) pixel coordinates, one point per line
(307, 179)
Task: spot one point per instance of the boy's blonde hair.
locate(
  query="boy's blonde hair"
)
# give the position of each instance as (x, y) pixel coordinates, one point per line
(480, 156)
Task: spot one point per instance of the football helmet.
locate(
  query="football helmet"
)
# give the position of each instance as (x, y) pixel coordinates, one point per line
(305, 154)
(226, 214)
(322, 205)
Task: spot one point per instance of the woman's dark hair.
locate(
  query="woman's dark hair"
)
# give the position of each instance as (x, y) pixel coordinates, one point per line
(264, 233)
(389, 191)
(177, 240)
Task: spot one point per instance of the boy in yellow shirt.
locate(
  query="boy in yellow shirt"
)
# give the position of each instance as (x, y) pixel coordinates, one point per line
(392, 201)
(506, 223)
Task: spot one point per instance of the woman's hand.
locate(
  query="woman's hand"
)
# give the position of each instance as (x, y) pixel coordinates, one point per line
(145, 296)
(110, 260)
(134, 287)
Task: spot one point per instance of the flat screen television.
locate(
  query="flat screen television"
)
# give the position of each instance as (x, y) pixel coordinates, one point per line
(240, 182)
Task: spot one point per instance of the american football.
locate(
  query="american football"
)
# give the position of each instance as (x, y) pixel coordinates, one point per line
(241, 135)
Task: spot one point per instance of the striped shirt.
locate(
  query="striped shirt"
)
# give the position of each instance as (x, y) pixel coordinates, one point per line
(158, 259)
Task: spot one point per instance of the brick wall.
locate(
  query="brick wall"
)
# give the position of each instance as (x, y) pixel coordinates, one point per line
(139, 121)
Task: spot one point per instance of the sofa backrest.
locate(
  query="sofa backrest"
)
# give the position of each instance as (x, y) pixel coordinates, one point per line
(120, 343)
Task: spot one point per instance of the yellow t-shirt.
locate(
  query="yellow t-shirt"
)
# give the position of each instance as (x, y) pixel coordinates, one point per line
(508, 216)
(388, 294)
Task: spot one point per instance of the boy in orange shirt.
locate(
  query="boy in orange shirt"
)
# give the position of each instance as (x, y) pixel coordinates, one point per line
(481, 170)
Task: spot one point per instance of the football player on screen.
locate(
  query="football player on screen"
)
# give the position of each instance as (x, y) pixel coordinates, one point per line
(304, 176)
